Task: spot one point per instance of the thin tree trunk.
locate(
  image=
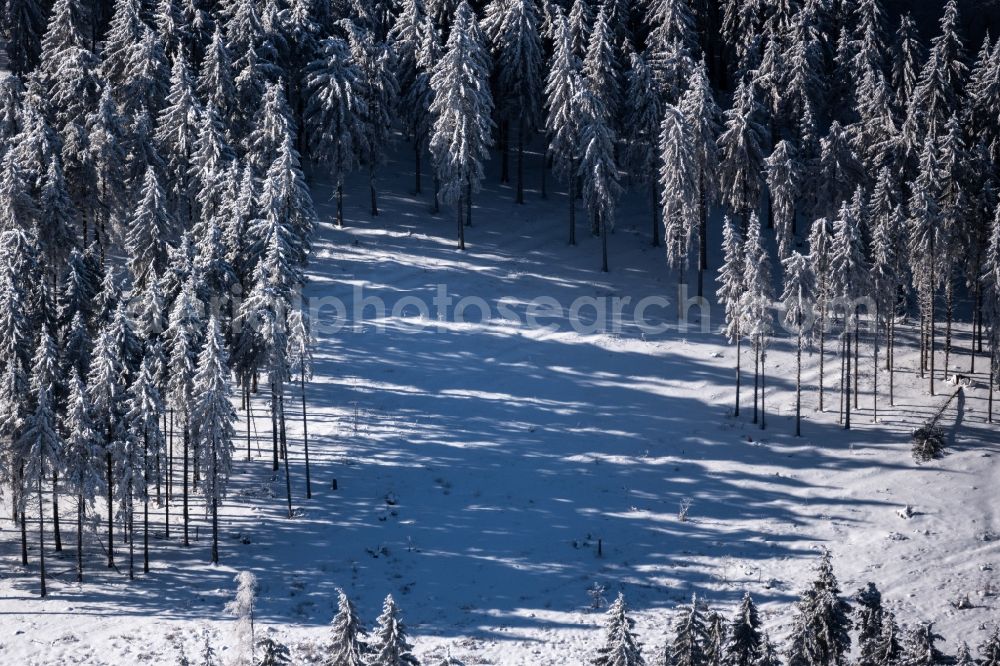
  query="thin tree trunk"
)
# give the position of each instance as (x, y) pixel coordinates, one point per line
(288, 487)
(844, 380)
(416, 168)
(274, 426)
(79, 537)
(891, 353)
(947, 328)
(340, 203)
(520, 162)
(145, 503)
(131, 534)
(41, 537)
(111, 514)
(572, 205)
(170, 477)
(57, 536)
(756, 376)
(246, 403)
(604, 244)
(875, 369)
(798, 383)
(654, 209)
(545, 189)
(930, 351)
(857, 349)
(215, 528)
(468, 204)
(504, 151)
(739, 355)
(763, 375)
(847, 406)
(371, 186)
(184, 483)
(305, 435)
(702, 237)
(459, 207)
(436, 208)
(822, 349)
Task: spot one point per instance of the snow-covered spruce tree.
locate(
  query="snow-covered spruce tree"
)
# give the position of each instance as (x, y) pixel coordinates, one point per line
(887, 270)
(380, 92)
(672, 22)
(620, 647)
(989, 649)
(415, 41)
(462, 108)
(839, 170)
(145, 442)
(598, 169)
(920, 647)
(347, 645)
(389, 643)
(784, 174)
(678, 191)
(127, 457)
(183, 338)
(869, 624)
(300, 344)
(643, 118)
(690, 636)
(81, 461)
(105, 135)
(964, 656)
(242, 607)
(851, 278)
(937, 94)
(286, 202)
(886, 649)
(216, 84)
(335, 112)
(804, 56)
(821, 624)
(40, 445)
(955, 200)
(820, 252)
(741, 157)
(272, 126)
(718, 635)
(148, 231)
(798, 299)
(272, 652)
(580, 23)
(517, 55)
(703, 121)
(177, 136)
(56, 222)
(209, 163)
(405, 37)
(730, 289)
(746, 642)
(24, 22)
(926, 238)
(67, 67)
(562, 121)
(602, 72)
(755, 308)
(212, 418)
(905, 55)
(106, 392)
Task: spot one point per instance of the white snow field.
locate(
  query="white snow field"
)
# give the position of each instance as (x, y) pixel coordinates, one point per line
(478, 466)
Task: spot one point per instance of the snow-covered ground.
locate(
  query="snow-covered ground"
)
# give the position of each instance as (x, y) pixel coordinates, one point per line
(478, 465)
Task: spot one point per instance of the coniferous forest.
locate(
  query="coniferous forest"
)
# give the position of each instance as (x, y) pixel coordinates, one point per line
(181, 180)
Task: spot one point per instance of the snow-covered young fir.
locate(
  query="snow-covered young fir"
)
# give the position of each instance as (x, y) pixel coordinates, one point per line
(527, 332)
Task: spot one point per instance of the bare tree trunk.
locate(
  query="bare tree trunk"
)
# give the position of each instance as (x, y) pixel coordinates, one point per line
(756, 375)
(111, 513)
(545, 189)
(822, 350)
(131, 533)
(55, 512)
(41, 537)
(520, 162)
(947, 328)
(459, 207)
(416, 168)
(184, 481)
(371, 186)
(930, 351)
(798, 383)
(79, 537)
(145, 503)
(215, 529)
(502, 144)
(604, 244)
(170, 477)
(274, 426)
(763, 357)
(305, 435)
(857, 349)
(847, 405)
(340, 202)
(572, 205)
(739, 355)
(702, 237)
(875, 369)
(468, 204)
(654, 209)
